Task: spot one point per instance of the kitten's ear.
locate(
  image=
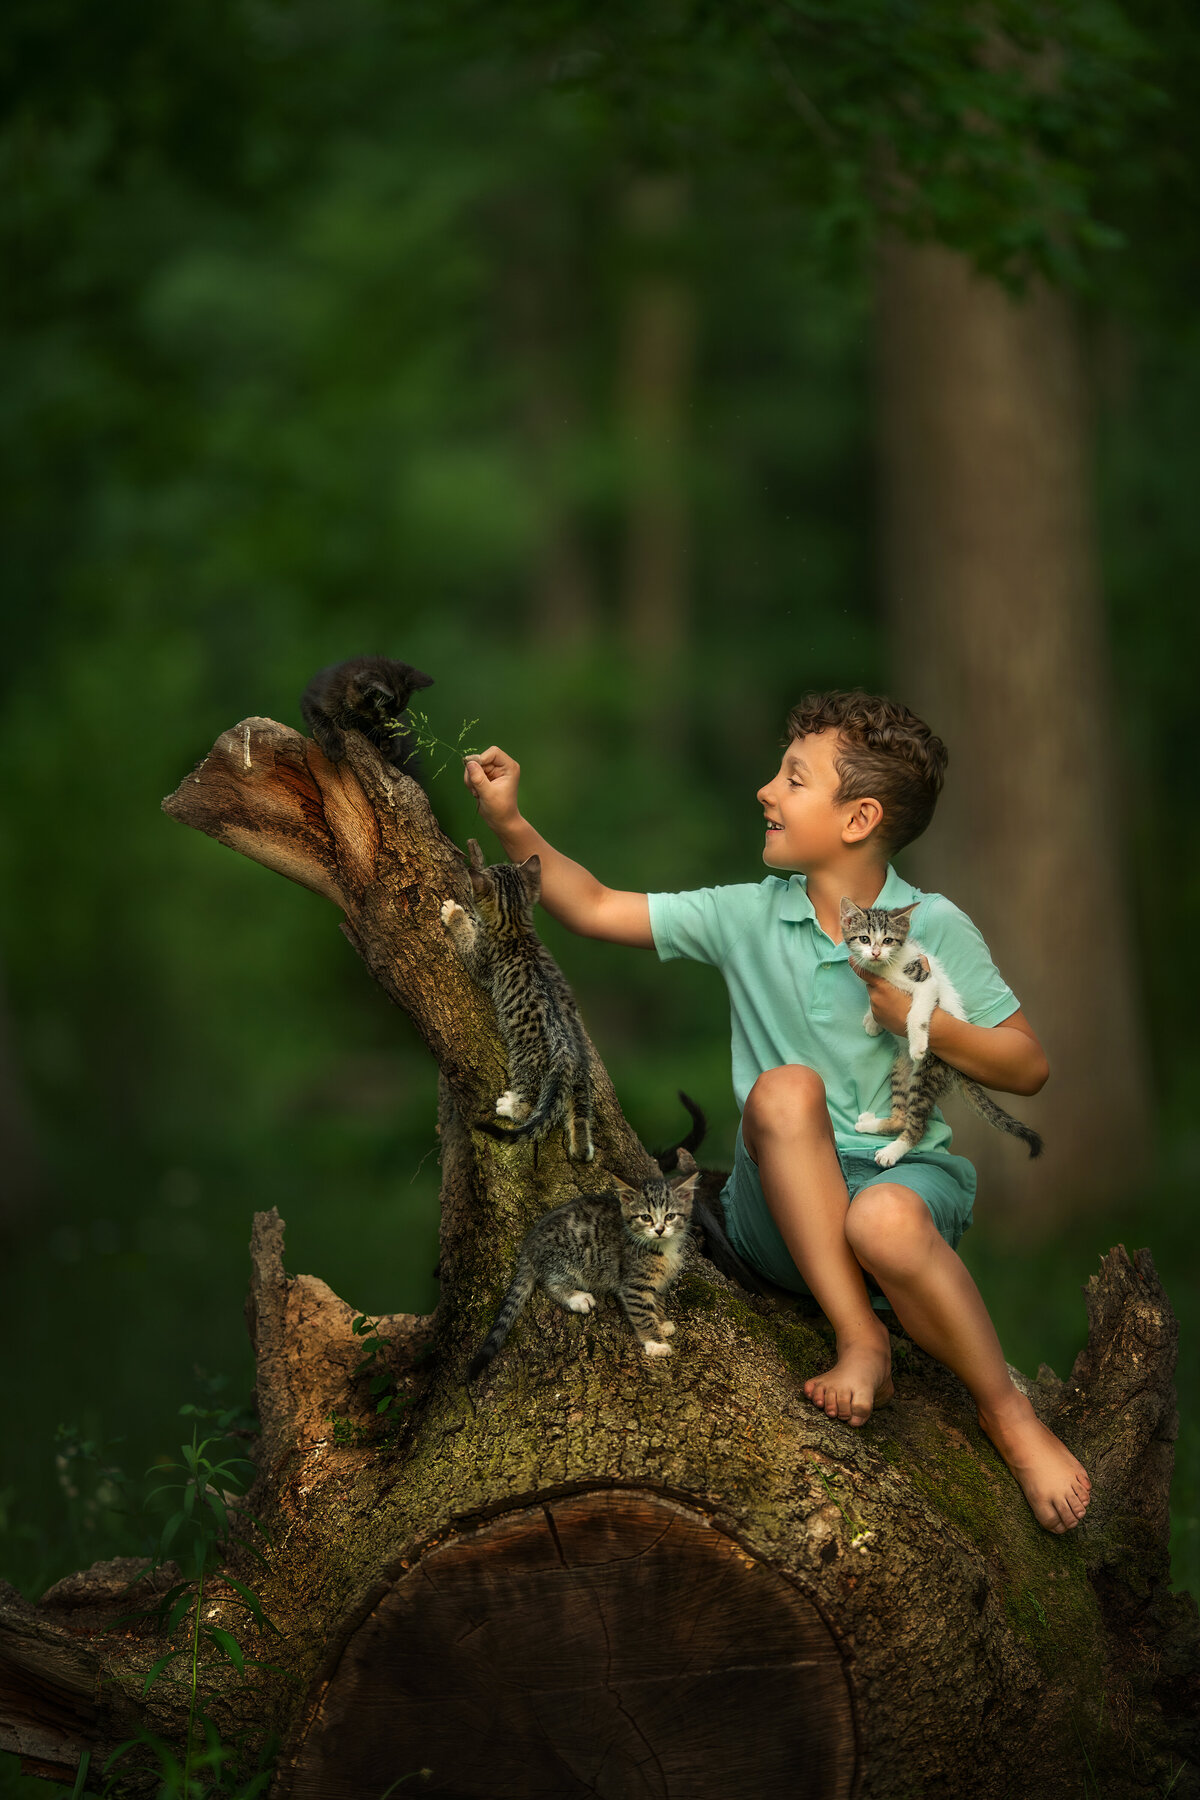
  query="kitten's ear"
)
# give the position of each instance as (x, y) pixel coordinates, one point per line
(624, 1192)
(685, 1163)
(686, 1189)
(531, 878)
(848, 912)
(905, 912)
(480, 884)
(415, 679)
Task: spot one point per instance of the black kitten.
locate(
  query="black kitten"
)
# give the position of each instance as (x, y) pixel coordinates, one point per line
(367, 694)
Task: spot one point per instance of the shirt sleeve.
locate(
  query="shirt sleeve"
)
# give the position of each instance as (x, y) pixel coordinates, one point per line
(949, 935)
(693, 924)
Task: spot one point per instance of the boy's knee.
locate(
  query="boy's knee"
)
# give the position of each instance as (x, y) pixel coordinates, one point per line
(790, 1098)
(889, 1228)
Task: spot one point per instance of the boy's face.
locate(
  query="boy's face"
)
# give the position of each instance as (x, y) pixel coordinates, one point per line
(804, 826)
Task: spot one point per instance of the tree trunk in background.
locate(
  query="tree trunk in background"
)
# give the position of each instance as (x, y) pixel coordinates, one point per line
(656, 361)
(999, 642)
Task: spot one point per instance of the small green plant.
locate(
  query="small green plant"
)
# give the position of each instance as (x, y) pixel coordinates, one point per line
(426, 739)
(861, 1536)
(206, 1521)
(383, 1385)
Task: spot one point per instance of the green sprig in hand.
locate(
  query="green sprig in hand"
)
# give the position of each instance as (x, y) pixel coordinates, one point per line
(426, 739)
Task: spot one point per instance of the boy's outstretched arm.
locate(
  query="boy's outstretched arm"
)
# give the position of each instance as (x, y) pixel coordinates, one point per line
(569, 893)
(1007, 1056)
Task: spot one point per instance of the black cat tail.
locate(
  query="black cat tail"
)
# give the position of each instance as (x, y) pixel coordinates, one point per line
(995, 1115)
(547, 1109)
(523, 1285)
(669, 1159)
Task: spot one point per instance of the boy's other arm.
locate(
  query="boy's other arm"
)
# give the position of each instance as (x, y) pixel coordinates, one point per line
(1007, 1056)
(570, 893)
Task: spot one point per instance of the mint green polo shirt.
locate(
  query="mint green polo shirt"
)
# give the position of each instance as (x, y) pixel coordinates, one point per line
(793, 997)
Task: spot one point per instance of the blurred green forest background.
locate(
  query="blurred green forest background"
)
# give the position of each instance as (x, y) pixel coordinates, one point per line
(537, 347)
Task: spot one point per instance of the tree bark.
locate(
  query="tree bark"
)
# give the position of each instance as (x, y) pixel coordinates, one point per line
(598, 1574)
(999, 642)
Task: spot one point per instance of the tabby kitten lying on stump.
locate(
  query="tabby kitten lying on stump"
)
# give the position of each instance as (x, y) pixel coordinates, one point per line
(549, 1080)
(629, 1243)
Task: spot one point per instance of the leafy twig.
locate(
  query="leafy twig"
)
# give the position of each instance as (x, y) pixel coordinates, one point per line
(425, 738)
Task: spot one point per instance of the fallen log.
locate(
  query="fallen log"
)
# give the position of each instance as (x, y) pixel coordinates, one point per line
(597, 1574)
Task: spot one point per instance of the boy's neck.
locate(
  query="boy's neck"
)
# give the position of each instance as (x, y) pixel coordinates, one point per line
(861, 882)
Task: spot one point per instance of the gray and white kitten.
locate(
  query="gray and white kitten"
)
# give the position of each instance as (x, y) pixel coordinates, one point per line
(877, 940)
(629, 1243)
(549, 1079)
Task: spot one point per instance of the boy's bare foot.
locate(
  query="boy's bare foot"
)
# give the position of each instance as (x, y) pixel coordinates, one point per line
(1053, 1481)
(859, 1380)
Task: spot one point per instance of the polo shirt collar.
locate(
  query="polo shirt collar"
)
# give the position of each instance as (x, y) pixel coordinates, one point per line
(797, 905)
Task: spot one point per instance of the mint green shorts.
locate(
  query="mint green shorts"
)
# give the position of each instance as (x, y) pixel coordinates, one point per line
(945, 1183)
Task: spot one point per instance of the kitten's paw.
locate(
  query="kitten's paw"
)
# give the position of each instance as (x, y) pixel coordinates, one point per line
(506, 1105)
(866, 1122)
(451, 912)
(871, 1026)
(918, 1044)
(890, 1155)
(667, 1328)
(654, 1348)
(581, 1302)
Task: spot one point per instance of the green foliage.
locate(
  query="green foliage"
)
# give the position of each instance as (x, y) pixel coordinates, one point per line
(206, 1522)
(381, 1383)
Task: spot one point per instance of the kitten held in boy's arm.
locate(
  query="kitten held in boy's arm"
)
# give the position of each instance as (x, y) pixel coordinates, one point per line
(570, 893)
(880, 948)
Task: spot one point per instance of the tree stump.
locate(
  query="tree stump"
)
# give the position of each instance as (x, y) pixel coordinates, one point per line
(601, 1574)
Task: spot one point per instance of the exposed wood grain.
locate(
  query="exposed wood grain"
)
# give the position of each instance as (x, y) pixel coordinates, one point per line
(611, 1643)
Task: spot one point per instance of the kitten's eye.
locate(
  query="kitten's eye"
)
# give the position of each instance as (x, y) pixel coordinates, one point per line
(890, 940)
(862, 940)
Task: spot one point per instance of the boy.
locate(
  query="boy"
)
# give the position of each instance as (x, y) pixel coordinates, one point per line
(806, 1203)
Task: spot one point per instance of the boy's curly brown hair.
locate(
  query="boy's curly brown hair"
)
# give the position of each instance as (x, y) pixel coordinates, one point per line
(886, 753)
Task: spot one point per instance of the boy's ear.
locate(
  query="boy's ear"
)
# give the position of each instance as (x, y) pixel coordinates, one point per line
(865, 818)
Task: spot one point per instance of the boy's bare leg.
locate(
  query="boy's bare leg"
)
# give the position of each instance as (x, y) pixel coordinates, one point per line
(892, 1235)
(785, 1128)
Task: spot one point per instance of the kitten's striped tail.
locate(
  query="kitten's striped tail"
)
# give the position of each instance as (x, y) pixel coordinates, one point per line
(523, 1285)
(995, 1115)
(548, 1106)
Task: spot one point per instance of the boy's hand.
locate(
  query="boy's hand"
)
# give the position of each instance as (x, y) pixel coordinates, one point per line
(493, 778)
(889, 1005)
